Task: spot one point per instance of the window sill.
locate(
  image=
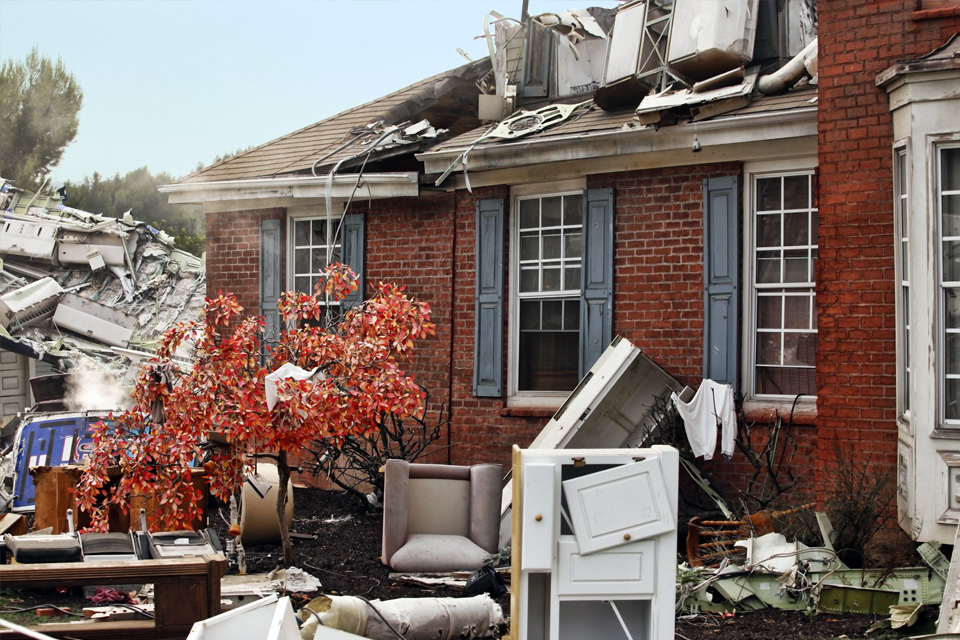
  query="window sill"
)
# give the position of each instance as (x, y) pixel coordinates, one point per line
(804, 413)
(528, 412)
(934, 12)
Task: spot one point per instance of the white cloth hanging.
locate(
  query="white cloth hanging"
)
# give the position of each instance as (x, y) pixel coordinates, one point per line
(712, 406)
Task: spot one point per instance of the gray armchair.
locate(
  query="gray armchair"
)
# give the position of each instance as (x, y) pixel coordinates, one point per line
(440, 517)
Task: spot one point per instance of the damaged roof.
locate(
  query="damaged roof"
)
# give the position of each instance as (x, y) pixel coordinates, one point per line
(81, 289)
(447, 100)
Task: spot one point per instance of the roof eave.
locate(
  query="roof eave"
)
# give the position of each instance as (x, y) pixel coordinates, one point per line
(254, 191)
(538, 150)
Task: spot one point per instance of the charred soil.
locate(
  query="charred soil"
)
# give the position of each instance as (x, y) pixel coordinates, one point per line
(338, 541)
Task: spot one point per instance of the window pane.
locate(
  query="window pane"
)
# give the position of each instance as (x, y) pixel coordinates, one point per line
(571, 315)
(319, 260)
(551, 246)
(572, 245)
(529, 280)
(551, 279)
(571, 277)
(786, 381)
(796, 229)
(549, 361)
(769, 348)
(952, 399)
(951, 308)
(768, 267)
(768, 194)
(319, 236)
(951, 215)
(301, 232)
(551, 214)
(801, 349)
(768, 230)
(529, 315)
(796, 267)
(301, 261)
(952, 354)
(573, 210)
(529, 214)
(951, 260)
(795, 192)
(796, 312)
(529, 247)
(552, 315)
(302, 284)
(768, 312)
(950, 169)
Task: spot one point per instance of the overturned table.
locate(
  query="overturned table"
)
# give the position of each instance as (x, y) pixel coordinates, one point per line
(186, 590)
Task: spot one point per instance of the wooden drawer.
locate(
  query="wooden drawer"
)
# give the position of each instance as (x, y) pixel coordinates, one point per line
(629, 569)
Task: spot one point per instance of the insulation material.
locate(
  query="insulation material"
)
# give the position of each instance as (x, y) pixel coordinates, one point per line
(414, 618)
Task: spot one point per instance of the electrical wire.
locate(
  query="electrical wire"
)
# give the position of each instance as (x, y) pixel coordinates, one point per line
(43, 606)
(380, 615)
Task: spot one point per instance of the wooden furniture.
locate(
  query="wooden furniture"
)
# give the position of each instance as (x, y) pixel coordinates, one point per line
(594, 543)
(54, 492)
(186, 590)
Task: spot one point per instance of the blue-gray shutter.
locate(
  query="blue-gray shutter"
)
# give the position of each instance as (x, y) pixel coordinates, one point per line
(721, 262)
(353, 251)
(270, 279)
(488, 336)
(596, 277)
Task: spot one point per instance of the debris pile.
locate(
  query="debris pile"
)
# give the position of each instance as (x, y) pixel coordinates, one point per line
(79, 289)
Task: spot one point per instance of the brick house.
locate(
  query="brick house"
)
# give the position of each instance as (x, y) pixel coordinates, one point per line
(755, 242)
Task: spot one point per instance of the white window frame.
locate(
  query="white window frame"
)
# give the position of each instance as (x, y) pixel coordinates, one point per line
(936, 193)
(753, 171)
(301, 214)
(901, 198)
(532, 399)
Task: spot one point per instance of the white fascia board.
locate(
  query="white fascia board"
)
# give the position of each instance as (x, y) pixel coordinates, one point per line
(798, 123)
(372, 185)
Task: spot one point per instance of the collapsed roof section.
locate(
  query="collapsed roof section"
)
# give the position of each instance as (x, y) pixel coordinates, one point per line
(664, 63)
(647, 64)
(79, 289)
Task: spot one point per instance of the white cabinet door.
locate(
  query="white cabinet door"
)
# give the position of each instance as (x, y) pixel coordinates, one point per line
(538, 517)
(620, 505)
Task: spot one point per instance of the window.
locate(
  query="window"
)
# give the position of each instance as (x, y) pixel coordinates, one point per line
(315, 245)
(902, 208)
(316, 241)
(784, 315)
(548, 241)
(560, 310)
(948, 204)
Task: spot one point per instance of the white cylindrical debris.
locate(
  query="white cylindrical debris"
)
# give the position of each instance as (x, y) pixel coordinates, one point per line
(414, 618)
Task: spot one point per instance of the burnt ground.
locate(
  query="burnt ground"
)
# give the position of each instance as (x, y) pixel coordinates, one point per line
(338, 542)
(345, 557)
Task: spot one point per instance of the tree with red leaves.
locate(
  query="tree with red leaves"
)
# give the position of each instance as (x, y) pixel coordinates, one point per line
(350, 379)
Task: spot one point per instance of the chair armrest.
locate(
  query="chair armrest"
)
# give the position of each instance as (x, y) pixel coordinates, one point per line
(395, 483)
(486, 488)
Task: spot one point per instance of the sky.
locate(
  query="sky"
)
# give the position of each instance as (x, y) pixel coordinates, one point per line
(170, 84)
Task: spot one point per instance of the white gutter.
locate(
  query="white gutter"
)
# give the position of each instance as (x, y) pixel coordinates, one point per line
(736, 129)
(371, 186)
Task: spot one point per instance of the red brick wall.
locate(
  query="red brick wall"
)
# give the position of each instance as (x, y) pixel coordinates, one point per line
(855, 294)
(233, 254)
